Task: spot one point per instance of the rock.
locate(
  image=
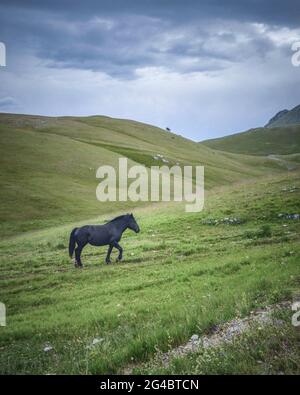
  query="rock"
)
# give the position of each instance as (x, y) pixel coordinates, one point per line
(226, 220)
(194, 338)
(48, 348)
(289, 216)
(290, 189)
(97, 340)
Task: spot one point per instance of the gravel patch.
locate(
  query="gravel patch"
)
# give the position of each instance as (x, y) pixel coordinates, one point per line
(225, 333)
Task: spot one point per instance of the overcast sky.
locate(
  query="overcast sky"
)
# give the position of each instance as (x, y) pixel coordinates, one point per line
(202, 68)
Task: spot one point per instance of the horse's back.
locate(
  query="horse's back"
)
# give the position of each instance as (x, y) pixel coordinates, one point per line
(94, 234)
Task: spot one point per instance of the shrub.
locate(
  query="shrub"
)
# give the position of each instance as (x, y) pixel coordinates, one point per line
(265, 231)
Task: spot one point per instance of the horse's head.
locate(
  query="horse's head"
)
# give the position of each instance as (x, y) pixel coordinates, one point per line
(132, 224)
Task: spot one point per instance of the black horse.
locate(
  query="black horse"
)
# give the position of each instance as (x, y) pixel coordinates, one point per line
(100, 235)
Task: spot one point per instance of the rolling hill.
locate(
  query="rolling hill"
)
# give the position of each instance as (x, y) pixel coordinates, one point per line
(283, 140)
(49, 165)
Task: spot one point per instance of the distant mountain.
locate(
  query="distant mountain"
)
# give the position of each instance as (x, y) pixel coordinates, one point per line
(281, 135)
(285, 118)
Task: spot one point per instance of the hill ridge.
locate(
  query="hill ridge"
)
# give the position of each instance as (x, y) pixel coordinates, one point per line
(260, 141)
(285, 118)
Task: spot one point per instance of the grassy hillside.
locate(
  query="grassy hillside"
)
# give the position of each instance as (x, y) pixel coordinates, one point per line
(181, 275)
(48, 165)
(260, 141)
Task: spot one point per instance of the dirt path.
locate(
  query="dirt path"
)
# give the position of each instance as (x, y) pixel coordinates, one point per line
(290, 166)
(221, 334)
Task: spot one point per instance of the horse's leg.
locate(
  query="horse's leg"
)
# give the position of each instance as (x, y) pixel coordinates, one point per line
(107, 259)
(118, 247)
(78, 254)
(76, 263)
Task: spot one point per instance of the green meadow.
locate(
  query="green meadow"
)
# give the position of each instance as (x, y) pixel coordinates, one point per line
(281, 140)
(181, 275)
(48, 165)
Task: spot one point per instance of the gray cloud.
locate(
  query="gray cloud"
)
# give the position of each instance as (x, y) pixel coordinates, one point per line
(8, 104)
(120, 46)
(212, 55)
(119, 39)
(267, 11)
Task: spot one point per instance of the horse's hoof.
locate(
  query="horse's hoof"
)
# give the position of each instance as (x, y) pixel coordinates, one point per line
(108, 262)
(78, 265)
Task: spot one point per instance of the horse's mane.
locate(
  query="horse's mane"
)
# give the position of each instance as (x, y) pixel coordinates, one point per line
(119, 217)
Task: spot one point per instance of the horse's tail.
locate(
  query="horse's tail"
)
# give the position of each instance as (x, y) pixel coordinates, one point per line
(72, 242)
